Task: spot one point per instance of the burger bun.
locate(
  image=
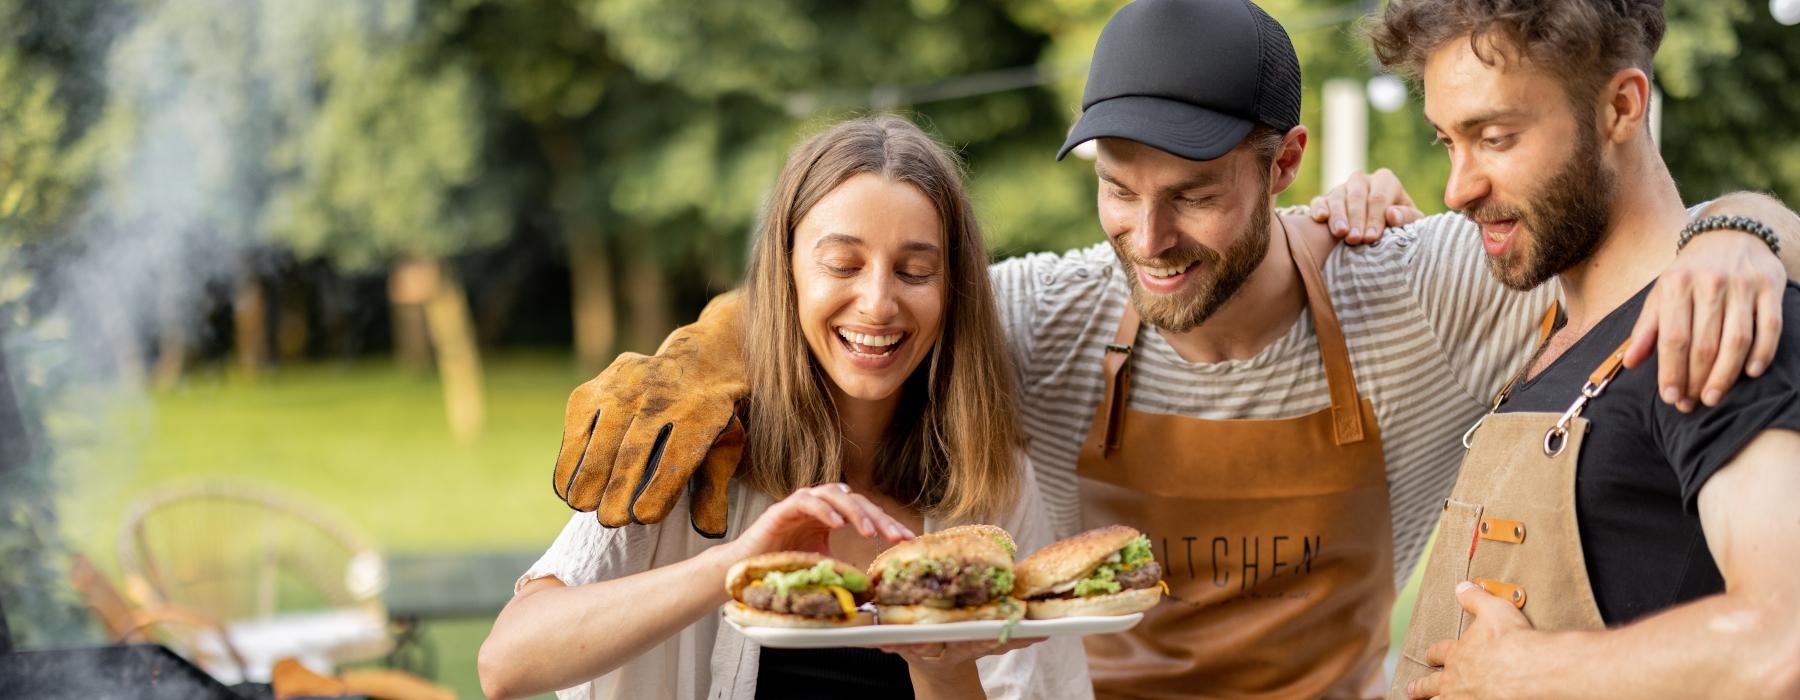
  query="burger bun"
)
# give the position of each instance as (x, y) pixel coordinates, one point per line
(928, 615)
(1069, 559)
(1121, 603)
(746, 616)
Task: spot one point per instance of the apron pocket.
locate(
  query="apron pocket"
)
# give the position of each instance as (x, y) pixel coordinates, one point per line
(1437, 616)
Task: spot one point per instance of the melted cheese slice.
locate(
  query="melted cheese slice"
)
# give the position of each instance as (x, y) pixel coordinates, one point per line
(845, 600)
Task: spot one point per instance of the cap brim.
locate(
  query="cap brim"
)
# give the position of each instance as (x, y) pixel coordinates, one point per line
(1194, 133)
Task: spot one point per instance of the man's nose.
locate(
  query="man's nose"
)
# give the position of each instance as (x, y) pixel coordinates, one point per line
(1155, 231)
(1467, 185)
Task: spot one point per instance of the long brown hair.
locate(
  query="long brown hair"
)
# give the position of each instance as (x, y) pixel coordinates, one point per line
(950, 452)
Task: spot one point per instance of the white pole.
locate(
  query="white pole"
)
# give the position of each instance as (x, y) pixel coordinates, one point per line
(1656, 105)
(1345, 133)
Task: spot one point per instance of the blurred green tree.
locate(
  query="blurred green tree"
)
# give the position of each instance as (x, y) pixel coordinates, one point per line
(1728, 73)
(387, 168)
(553, 84)
(50, 102)
(965, 70)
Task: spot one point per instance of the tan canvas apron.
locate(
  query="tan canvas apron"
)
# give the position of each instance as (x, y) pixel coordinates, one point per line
(1509, 525)
(1274, 536)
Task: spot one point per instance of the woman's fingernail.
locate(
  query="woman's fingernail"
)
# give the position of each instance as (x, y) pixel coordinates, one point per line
(1712, 397)
(1356, 232)
(1668, 395)
(1755, 369)
(1338, 225)
(836, 520)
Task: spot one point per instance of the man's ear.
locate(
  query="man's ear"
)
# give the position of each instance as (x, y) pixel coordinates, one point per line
(1286, 165)
(1626, 108)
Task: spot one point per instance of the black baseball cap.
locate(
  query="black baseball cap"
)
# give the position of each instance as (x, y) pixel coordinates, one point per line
(1189, 77)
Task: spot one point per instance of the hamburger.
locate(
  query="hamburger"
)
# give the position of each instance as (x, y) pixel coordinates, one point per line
(992, 533)
(943, 579)
(796, 589)
(1106, 571)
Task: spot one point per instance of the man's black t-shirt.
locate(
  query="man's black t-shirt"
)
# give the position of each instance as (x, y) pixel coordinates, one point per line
(1643, 462)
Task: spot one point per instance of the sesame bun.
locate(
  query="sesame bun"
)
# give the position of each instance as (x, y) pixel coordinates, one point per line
(1121, 603)
(752, 569)
(971, 550)
(928, 615)
(991, 533)
(747, 616)
(1069, 560)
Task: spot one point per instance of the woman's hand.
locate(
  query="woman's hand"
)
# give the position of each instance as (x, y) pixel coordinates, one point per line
(804, 520)
(939, 655)
(947, 669)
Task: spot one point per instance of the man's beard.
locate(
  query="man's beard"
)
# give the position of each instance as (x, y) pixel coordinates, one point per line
(1566, 225)
(1215, 278)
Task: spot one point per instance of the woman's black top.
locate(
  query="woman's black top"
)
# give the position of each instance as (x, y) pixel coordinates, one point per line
(837, 672)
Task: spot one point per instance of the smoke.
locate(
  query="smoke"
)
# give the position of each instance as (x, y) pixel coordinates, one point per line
(199, 102)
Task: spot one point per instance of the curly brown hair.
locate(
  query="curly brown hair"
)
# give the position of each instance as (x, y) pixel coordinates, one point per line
(1581, 42)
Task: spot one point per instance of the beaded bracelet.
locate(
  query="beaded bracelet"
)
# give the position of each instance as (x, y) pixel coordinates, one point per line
(1732, 223)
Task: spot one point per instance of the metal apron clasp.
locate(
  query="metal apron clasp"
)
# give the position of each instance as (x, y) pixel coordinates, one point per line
(1468, 438)
(1557, 437)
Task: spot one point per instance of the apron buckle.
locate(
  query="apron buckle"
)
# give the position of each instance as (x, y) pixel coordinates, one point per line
(1555, 439)
(1468, 438)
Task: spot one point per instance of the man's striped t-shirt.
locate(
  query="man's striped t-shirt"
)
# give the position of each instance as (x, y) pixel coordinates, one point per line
(1432, 337)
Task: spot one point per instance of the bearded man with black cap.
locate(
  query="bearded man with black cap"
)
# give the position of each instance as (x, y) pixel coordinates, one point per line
(1215, 374)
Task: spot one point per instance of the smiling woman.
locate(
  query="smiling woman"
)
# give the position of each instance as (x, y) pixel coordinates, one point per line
(881, 404)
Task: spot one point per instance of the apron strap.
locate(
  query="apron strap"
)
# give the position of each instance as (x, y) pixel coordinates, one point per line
(1545, 328)
(1608, 369)
(1346, 402)
(1548, 325)
(1118, 377)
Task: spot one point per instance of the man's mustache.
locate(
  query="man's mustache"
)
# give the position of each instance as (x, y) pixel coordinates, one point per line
(1172, 259)
(1487, 212)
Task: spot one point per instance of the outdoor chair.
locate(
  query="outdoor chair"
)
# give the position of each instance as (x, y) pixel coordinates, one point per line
(277, 577)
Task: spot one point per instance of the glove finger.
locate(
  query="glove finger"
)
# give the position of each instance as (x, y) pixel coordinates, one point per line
(668, 459)
(708, 500)
(594, 470)
(580, 416)
(574, 445)
(631, 468)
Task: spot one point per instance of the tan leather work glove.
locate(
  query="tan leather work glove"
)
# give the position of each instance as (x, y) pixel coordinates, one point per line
(647, 427)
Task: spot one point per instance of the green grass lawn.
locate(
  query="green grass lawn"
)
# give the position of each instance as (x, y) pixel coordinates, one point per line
(362, 439)
(367, 441)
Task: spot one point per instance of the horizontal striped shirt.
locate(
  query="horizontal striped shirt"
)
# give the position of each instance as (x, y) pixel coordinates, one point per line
(1432, 337)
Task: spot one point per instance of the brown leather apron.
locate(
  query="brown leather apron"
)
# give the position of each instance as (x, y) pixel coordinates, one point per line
(1274, 536)
(1509, 525)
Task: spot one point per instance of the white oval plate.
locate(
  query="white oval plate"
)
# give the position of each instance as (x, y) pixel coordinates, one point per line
(877, 635)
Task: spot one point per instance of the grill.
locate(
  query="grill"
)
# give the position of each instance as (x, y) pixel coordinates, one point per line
(148, 671)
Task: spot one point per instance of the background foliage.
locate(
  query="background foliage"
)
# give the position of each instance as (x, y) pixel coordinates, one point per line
(195, 192)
